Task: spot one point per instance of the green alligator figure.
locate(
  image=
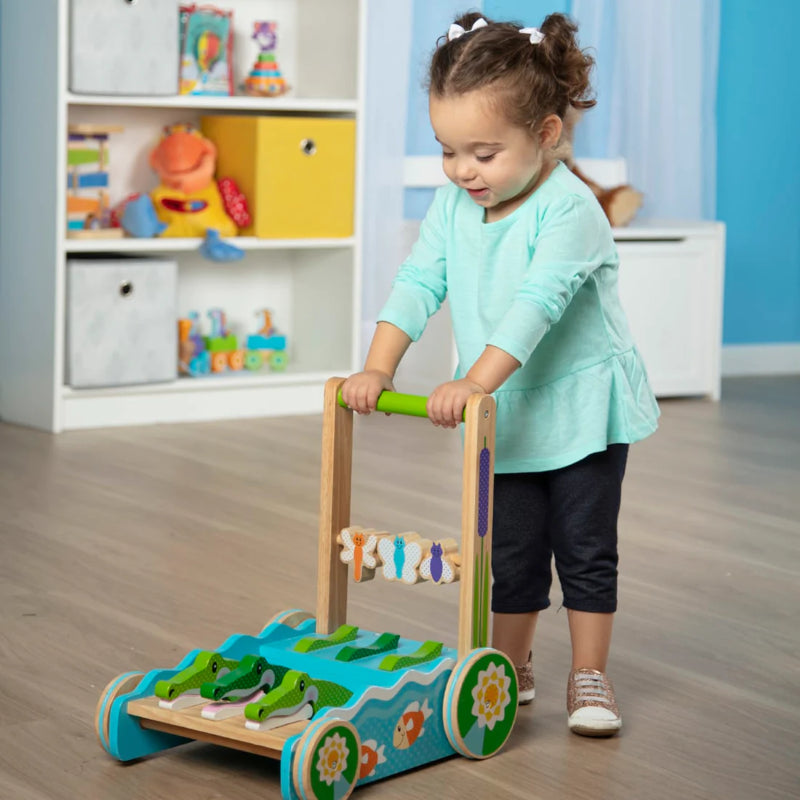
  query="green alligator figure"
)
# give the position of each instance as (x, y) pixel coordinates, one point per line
(207, 666)
(298, 696)
(252, 674)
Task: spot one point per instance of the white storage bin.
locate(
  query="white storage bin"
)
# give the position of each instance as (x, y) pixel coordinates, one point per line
(122, 321)
(124, 47)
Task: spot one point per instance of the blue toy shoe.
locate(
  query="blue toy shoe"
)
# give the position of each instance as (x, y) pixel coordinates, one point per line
(216, 249)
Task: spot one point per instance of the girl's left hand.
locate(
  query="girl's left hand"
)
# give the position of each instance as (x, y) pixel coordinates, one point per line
(446, 403)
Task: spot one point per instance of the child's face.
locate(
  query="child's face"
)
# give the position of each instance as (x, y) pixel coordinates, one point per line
(498, 163)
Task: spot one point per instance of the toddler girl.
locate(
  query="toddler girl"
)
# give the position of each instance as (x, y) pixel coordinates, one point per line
(526, 256)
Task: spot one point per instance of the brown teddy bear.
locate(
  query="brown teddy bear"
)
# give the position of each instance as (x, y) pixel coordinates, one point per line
(620, 203)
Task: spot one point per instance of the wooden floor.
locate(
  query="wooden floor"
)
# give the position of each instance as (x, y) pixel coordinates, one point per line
(124, 549)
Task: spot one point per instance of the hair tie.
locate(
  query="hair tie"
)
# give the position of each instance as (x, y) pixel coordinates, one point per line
(457, 31)
(535, 34)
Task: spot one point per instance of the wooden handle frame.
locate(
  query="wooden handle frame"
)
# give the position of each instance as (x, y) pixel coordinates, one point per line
(411, 405)
(476, 510)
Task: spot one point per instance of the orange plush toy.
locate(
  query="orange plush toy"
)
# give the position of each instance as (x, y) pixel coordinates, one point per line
(188, 200)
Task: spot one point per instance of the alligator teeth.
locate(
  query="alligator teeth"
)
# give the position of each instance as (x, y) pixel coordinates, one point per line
(185, 700)
(225, 710)
(276, 722)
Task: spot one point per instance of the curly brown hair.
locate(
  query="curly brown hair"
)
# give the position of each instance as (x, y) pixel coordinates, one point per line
(532, 81)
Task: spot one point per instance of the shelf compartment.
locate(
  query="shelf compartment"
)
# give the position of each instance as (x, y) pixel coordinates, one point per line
(311, 295)
(197, 400)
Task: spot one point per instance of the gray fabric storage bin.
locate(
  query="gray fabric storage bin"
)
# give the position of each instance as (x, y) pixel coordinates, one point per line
(122, 321)
(124, 47)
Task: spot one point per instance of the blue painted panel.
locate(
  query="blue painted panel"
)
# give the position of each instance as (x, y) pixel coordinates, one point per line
(758, 164)
(376, 712)
(529, 12)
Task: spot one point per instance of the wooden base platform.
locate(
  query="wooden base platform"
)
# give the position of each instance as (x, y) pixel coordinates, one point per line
(229, 732)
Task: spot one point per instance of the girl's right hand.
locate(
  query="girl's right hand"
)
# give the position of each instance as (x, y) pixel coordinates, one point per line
(361, 391)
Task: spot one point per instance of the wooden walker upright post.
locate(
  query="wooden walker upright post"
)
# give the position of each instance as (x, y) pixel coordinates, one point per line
(476, 509)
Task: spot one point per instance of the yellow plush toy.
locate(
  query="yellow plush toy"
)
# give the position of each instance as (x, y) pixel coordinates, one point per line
(189, 200)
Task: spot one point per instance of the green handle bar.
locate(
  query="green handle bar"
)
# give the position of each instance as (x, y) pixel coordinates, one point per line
(412, 405)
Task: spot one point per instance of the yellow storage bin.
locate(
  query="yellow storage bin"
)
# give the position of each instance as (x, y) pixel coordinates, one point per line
(298, 173)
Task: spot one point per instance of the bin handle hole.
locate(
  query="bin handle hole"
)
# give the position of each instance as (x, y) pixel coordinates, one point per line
(126, 288)
(308, 146)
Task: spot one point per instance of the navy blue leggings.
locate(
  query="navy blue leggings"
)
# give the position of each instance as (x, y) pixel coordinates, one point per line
(570, 513)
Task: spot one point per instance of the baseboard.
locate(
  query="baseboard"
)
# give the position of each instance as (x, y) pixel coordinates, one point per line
(760, 359)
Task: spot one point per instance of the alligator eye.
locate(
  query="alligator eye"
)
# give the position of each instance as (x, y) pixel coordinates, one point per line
(302, 686)
(214, 667)
(259, 668)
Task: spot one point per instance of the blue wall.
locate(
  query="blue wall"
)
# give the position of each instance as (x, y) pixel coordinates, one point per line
(758, 170)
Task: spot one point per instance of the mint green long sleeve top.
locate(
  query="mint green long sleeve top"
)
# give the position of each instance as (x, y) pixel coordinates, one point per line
(540, 284)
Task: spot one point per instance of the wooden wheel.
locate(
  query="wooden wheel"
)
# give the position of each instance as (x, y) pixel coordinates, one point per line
(253, 360)
(278, 361)
(120, 685)
(327, 760)
(291, 617)
(480, 703)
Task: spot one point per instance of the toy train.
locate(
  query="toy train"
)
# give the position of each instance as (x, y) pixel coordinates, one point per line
(220, 352)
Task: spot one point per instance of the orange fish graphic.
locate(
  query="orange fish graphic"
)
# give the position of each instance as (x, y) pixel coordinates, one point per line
(410, 725)
(371, 756)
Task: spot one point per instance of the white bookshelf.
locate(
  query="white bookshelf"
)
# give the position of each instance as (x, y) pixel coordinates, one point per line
(312, 285)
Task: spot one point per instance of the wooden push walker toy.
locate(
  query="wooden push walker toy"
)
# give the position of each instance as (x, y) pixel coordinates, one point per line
(339, 706)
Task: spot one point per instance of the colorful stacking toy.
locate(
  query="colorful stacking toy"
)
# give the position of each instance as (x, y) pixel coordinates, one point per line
(265, 78)
(338, 706)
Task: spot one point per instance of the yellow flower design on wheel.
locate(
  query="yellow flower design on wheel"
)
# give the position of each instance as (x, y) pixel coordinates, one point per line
(332, 758)
(491, 695)
(326, 760)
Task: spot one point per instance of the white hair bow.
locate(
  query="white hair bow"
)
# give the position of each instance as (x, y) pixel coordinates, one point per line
(535, 34)
(456, 30)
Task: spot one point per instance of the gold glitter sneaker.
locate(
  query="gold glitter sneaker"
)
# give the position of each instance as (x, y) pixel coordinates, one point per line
(525, 684)
(591, 706)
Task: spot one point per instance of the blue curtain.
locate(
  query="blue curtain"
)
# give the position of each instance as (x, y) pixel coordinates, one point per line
(656, 83)
(387, 79)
